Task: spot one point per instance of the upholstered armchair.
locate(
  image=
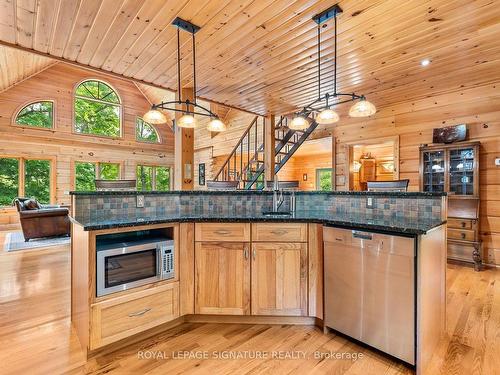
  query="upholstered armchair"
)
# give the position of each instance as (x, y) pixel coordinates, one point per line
(42, 220)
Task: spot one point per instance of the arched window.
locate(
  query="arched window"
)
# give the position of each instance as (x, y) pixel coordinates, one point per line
(37, 115)
(145, 132)
(97, 109)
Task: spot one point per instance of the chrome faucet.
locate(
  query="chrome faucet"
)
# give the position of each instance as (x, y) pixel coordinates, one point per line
(277, 201)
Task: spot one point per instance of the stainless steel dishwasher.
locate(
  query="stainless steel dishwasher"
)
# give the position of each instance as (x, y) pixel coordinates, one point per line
(370, 289)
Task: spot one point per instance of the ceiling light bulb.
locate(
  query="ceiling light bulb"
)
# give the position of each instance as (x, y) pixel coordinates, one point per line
(425, 62)
(327, 116)
(216, 125)
(363, 108)
(299, 122)
(186, 121)
(153, 116)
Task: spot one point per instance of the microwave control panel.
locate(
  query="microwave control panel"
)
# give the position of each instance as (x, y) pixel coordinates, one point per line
(167, 262)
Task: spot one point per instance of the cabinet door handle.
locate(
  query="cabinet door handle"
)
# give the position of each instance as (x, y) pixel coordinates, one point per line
(245, 252)
(254, 253)
(222, 232)
(139, 313)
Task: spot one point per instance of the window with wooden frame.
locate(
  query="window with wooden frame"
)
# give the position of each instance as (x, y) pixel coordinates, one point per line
(26, 177)
(324, 179)
(39, 114)
(97, 109)
(153, 177)
(145, 132)
(87, 172)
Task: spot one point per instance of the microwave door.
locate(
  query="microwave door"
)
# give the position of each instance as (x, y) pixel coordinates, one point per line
(122, 269)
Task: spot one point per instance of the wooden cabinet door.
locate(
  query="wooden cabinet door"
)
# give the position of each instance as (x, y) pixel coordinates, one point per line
(222, 278)
(279, 279)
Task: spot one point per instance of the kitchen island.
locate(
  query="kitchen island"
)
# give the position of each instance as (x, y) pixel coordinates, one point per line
(232, 263)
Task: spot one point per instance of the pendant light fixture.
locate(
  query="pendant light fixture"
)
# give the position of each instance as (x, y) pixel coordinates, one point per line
(323, 105)
(188, 108)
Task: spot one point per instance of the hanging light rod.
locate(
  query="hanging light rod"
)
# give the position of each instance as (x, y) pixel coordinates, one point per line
(187, 107)
(324, 103)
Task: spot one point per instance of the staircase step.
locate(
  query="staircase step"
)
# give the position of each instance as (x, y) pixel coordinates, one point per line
(281, 140)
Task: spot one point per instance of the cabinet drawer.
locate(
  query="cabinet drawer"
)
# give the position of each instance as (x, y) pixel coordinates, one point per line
(460, 223)
(124, 316)
(461, 234)
(237, 232)
(279, 232)
(460, 252)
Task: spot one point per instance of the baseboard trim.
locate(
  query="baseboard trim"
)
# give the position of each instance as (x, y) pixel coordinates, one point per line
(252, 319)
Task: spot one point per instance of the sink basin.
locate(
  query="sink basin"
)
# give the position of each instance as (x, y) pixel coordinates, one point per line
(276, 213)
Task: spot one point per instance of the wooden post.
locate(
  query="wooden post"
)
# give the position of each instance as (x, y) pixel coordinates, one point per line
(334, 164)
(184, 151)
(269, 148)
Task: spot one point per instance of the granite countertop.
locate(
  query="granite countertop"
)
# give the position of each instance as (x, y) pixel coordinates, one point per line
(399, 225)
(400, 194)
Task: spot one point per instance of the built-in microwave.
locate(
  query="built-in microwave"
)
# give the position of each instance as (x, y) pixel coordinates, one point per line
(124, 265)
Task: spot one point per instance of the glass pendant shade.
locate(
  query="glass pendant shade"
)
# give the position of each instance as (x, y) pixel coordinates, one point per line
(327, 116)
(186, 121)
(216, 125)
(154, 116)
(363, 108)
(299, 123)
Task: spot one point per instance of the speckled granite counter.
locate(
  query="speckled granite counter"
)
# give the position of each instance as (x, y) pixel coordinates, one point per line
(404, 226)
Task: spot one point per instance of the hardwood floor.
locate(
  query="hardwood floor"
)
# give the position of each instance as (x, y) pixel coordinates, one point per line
(36, 336)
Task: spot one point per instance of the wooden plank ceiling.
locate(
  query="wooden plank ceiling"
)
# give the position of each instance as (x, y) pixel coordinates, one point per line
(17, 65)
(259, 55)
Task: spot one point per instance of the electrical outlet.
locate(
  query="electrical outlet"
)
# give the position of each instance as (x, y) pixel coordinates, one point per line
(369, 202)
(140, 201)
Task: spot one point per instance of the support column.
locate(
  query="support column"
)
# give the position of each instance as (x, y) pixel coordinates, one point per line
(269, 148)
(184, 151)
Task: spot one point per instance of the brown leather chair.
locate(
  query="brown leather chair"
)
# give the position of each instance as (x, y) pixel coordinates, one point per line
(42, 220)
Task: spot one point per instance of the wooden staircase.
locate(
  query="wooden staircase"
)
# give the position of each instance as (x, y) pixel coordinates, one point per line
(245, 163)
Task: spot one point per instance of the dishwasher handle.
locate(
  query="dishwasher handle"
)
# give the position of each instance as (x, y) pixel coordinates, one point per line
(362, 235)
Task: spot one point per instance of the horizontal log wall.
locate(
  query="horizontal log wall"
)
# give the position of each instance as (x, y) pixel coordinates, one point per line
(57, 83)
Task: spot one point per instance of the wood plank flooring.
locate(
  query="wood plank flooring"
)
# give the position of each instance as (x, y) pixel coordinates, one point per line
(36, 336)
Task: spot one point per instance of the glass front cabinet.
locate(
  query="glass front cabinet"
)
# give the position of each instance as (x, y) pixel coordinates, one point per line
(454, 169)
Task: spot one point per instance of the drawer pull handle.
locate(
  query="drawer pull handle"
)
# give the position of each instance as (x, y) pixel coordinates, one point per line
(139, 313)
(279, 232)
(222, 232)
(339, 239)
(463, 235)
(464, 224)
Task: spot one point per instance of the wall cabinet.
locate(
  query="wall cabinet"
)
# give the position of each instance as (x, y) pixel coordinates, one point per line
(279, 279)
(222, 278)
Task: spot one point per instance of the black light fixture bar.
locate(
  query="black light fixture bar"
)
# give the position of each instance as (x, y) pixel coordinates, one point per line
(186, 25)
(327, 14)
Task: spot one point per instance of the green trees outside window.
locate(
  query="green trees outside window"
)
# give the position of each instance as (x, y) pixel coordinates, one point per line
(37, 115)
(86, 172)
(97, 109)
(153, 178)
(9, 180)
(37, 180)
(145, 132)
(36, 173)
(324, 179)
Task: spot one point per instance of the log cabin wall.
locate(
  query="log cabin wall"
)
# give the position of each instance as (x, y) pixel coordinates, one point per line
(57, 83)
(413, 121)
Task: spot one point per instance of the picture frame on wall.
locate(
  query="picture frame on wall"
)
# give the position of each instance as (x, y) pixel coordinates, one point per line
(201, 174)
